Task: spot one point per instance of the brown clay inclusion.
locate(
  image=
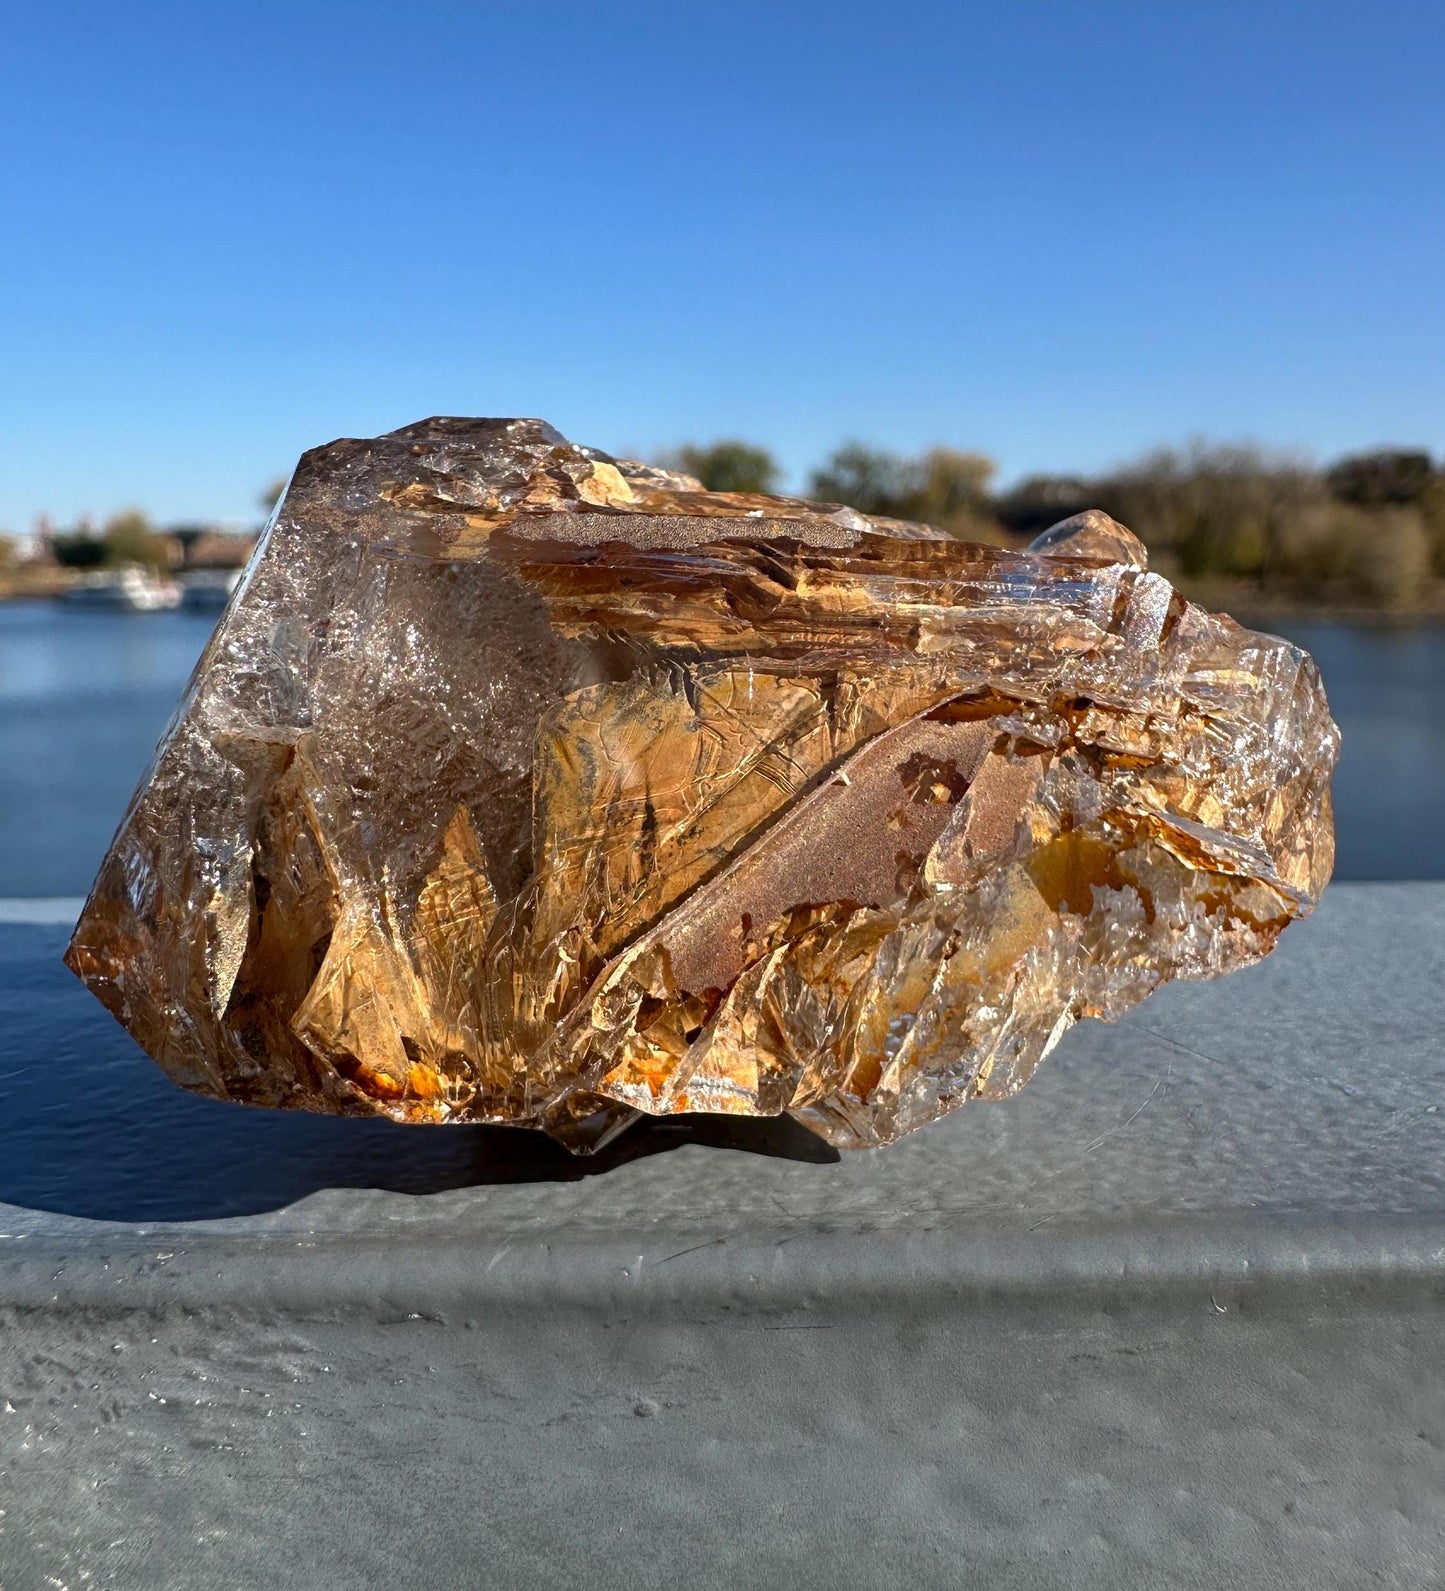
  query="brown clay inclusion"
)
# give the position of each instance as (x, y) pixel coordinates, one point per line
(522, 784)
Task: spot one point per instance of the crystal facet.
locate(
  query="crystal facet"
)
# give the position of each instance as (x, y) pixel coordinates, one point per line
(523, 784)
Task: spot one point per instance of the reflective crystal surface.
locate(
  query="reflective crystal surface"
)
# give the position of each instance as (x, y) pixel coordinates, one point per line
(522, 784)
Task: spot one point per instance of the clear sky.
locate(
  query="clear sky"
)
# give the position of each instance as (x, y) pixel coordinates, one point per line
(1058, 233)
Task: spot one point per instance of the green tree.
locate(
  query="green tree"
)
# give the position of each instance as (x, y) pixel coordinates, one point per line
(131, 538)
(78, 548)
(950, 490)
(944, 487)
(870, 479)
(729, 466)
(1039, 501)
(1386, 476)
(1219, 509)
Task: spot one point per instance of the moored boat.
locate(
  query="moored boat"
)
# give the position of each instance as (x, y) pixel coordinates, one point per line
(130, 589)
(208, 590)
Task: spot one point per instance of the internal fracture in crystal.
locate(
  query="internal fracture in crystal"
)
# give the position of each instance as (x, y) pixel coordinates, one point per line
(523, 784)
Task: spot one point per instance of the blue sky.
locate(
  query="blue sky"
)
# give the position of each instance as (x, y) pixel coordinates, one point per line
(1057, 233)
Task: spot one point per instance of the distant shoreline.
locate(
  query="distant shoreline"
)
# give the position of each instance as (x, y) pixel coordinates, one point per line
(1253, 609)
(1257, 609)
(1261, 618)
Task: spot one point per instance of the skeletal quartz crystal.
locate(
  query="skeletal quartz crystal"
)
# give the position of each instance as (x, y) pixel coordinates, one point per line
(523, 784)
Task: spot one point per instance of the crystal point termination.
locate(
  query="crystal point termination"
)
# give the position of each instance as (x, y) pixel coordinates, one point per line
(523, 784)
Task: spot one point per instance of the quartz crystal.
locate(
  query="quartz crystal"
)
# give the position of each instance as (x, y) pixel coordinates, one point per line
(523, 784)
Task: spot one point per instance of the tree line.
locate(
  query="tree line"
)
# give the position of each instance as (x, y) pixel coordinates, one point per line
(1224, 522)
(1368, 530)
(125, 538)
(129, 537)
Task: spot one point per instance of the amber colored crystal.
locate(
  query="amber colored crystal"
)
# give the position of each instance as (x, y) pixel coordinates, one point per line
(522, 784)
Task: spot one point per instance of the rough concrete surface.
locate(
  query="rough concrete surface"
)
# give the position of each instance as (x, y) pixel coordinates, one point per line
(1172, 1317)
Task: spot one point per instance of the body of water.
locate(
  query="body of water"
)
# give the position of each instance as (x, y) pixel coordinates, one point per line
(85, 695)
(1387, 692)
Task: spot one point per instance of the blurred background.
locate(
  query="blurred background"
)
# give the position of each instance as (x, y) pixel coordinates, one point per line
(979, 265)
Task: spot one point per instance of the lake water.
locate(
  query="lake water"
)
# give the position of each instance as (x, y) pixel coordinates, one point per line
(84, 697)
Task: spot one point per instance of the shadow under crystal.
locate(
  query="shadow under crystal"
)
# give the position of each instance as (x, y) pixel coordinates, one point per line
(92, 1128)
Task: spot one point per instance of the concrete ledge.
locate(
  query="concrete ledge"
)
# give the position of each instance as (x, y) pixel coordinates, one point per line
(1297, 1259)
(1173, 1316)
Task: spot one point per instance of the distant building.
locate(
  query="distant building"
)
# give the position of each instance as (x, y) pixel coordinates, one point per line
(194, 547)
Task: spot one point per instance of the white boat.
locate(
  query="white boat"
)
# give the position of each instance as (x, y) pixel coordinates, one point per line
(130, 589)
(208, 590)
